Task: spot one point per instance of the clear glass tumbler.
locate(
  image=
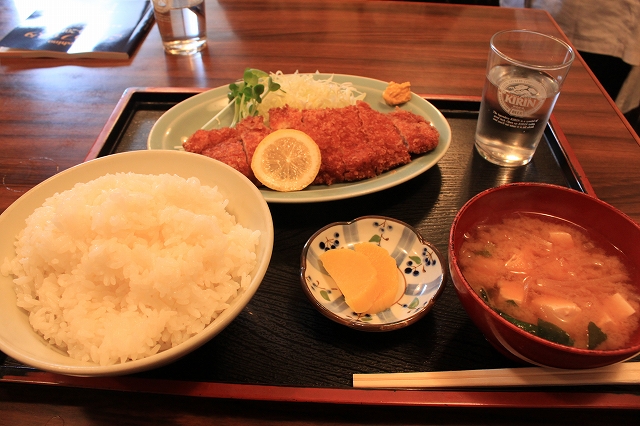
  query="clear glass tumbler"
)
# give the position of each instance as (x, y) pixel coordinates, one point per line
(525, 72)
(182, 25)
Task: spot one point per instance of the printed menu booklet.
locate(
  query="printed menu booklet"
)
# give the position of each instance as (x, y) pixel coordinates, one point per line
(109, 29)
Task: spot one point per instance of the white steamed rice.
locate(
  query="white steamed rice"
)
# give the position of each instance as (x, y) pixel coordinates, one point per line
(129, 265)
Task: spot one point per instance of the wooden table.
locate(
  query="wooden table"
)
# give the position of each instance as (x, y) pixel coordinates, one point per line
(52, 111)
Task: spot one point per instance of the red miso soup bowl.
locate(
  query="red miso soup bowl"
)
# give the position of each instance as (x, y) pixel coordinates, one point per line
(586, 211)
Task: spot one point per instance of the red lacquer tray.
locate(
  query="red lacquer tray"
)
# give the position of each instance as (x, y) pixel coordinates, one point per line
(281, 349)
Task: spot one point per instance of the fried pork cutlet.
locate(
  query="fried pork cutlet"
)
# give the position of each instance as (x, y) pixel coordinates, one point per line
(313, 123)
(285, 118)
(251, 131)
(417, 132)
(220, 144)
(197, 142)
(346, 153)
(359, 156)
(319, 124)
(356, 142)
(383, 137)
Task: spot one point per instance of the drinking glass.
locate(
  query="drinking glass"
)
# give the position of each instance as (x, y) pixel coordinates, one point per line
(525, 72)
(182, 25)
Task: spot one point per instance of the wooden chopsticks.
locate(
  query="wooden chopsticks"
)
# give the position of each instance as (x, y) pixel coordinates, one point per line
(623, 373)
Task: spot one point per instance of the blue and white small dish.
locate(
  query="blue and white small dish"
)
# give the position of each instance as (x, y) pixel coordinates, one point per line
(422, 272)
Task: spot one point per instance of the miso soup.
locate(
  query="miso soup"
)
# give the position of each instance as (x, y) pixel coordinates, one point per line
(553, 279)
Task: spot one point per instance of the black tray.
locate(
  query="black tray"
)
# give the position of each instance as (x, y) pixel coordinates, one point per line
(283, 349)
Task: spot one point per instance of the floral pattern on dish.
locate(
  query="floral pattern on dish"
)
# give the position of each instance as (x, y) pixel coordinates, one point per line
(422, 272)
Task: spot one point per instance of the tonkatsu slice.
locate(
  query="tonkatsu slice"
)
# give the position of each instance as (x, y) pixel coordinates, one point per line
(220, 144)
(417, 132)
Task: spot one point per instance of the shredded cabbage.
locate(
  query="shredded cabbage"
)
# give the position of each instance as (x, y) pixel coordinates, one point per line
(303, 91)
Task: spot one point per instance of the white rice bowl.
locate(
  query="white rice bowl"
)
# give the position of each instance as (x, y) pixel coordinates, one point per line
(150, 255)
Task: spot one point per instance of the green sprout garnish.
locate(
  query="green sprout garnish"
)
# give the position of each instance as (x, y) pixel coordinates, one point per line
(246, 95)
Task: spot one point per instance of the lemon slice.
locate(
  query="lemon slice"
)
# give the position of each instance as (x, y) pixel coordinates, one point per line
(286, 160)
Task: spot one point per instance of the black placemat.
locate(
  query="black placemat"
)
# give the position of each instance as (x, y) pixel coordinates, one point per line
(279, 338)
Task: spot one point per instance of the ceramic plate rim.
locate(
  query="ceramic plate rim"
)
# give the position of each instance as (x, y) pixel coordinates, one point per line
(320, 193)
